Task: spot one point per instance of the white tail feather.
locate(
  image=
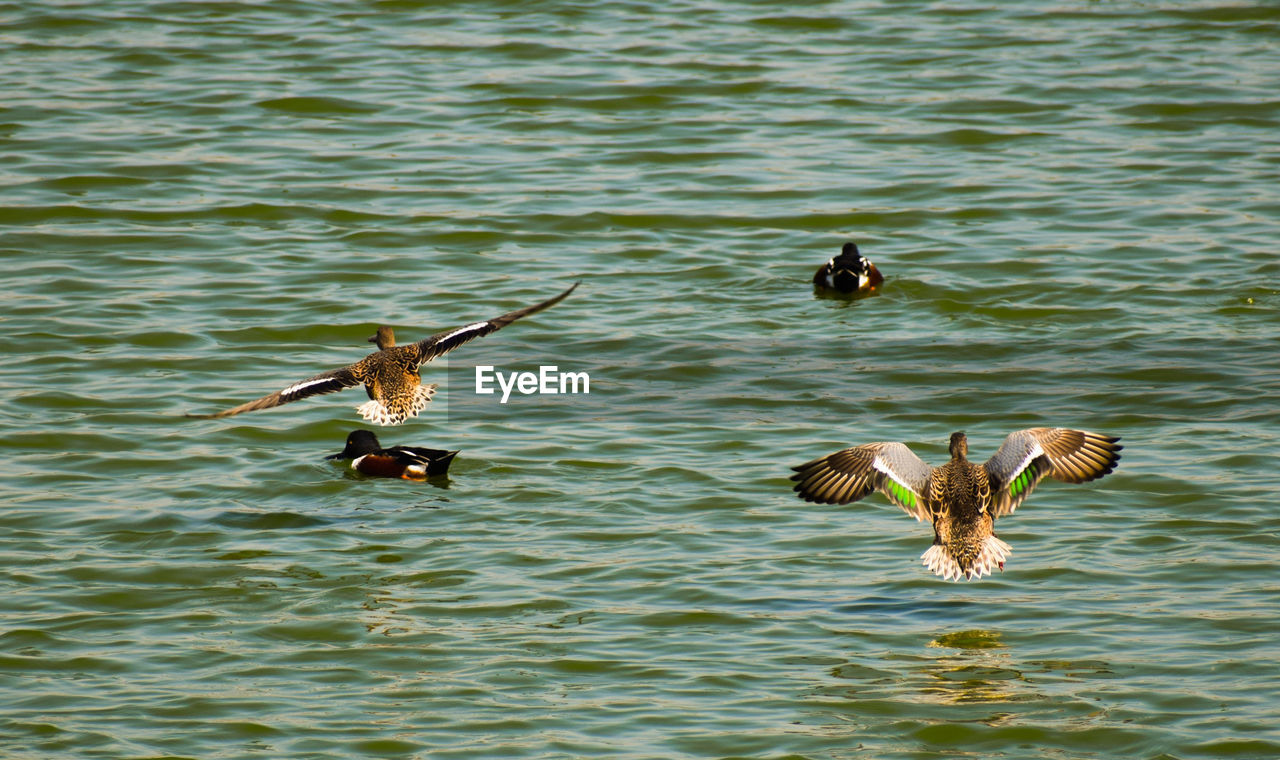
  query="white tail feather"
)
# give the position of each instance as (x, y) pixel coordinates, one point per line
(376, 410)
(994, 553)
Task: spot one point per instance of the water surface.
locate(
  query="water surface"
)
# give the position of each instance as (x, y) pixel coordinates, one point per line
(1075, 205)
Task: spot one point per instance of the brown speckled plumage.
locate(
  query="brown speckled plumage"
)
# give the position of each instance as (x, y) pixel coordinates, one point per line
(390, 376)
(961, 499)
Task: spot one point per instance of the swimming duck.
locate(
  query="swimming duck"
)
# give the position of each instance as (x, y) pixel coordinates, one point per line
(390, 376)
(849, 272)
(409, 462)
(960, 498)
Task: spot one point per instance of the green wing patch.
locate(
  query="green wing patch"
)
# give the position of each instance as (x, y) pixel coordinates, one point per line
(900, 493)
(1025, 480)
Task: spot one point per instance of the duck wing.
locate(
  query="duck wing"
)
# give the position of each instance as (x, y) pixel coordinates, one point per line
(1027, 456)
(326, 382)
(420, 462)
(419, 454)
(447, 340)
(845, 476)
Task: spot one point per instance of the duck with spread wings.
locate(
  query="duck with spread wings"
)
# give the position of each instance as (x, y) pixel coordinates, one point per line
(961, 499)
(390, 375)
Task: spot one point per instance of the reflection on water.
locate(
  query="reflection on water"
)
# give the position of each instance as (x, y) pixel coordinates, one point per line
(979, 672)
(976, 668)
(627, 573)
(937, 694)
(969, 640)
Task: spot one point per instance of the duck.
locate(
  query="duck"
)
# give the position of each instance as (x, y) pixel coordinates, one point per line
(961, 499)
(409, 462)
(390, 376)
(849, 272)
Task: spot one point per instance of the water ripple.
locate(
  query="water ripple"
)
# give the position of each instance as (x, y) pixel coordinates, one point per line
(1074, 208)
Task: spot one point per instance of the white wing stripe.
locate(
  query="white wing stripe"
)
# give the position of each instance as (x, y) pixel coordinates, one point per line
(879, 464)
(463, 331)
(305, 384)
(1032, 454)
(913, 509)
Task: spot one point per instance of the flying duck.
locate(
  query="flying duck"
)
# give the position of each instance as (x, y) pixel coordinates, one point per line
(390, 375)
(960, 498)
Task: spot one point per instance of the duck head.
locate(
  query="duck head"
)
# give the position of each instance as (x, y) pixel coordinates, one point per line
(385, 337)
(359, 443)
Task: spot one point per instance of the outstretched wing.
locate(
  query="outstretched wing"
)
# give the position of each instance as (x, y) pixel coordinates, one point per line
(1027, 456)
(446, 341)
(327, 382)
(848, 475)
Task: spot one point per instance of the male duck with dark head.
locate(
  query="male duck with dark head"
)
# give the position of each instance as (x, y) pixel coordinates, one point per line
(390, 376)
(849, 272)
(409, 462)
(960, 498)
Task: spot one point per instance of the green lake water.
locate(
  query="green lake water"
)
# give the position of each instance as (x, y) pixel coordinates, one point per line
(1076, 206)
